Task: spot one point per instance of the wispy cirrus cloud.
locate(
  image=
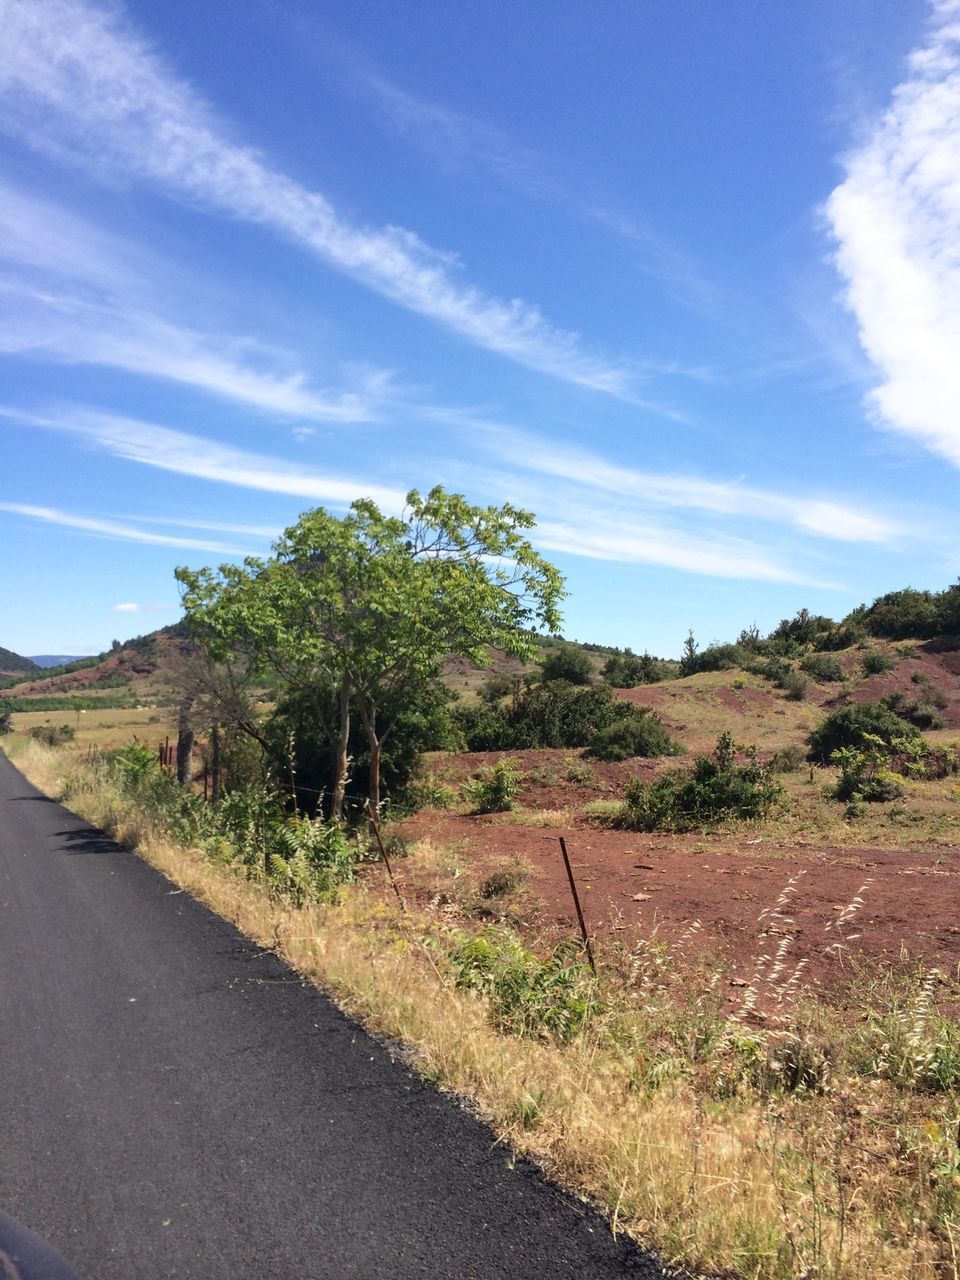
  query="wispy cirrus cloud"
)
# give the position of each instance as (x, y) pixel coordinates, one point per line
(895, 220)
(631, 541)
(811, 513)
(114, 530)
(72, 294)
(77, 82)
(464, 144)
(183, 454)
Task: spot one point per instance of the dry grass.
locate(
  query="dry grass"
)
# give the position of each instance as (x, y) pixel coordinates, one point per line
(102, 726)
(839, 1180)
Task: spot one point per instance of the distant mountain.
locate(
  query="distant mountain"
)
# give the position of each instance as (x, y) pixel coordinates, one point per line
(12, 664)
(53, 659)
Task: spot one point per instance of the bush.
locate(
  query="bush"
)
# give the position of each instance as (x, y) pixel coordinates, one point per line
(823, 667)
(923, 711)
(493, 790)
(312, 861)
(787, 759)
(715, 790)
(641, 734)
(626, 670)
(865, 774)
(301, 859)
(495, 688)
(552, 714)
(548, 999)
(6, 722)
(428, 793)
(876, 663)
(52, 736)
(852, 726)
(794, 685)
(568, 663)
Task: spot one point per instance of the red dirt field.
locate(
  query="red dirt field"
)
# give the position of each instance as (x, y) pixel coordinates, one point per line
(637, 885)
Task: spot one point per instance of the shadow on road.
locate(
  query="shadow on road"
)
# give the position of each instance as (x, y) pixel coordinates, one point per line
(88, 841)
(31, 800)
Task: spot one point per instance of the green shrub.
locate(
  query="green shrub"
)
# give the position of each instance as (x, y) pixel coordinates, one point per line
(554, 713)
(876, 663)
(495, 688)
(626, 670)
(495, 789)
(133, 764)
(794, 686)
(428, 792)
(6, 722)
(787, 759)
(865, 774)
(716, 789)
(568, 663)
(641, 734)
(823, 667)
(548, 999)
(313, 860)
(851, 726)
(52, 735)
(922, 711)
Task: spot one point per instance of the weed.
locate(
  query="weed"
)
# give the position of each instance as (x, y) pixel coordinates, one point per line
(527, 996)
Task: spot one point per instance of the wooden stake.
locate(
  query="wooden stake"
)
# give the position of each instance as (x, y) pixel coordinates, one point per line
(576, 903)
(383, 854)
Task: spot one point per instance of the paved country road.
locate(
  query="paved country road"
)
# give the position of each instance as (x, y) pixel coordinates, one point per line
(176, 1103)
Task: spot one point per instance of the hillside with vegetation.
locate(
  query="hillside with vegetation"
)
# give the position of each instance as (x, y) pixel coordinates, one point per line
(12, 664)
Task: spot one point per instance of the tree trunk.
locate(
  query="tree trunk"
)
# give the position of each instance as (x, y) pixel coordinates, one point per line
(368, 714)
(375, 774)
(341, 759)
(215, 764)
(185, 743)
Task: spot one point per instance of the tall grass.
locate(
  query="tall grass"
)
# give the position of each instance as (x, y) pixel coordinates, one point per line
(767, 1137)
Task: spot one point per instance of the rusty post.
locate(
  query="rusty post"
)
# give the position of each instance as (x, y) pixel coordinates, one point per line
(383, 854)
(576, 903)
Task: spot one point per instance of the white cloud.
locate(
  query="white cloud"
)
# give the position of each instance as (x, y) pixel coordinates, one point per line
(144, 608)
(73, 294)
(896, 222)
(77, 83)
(113, 529)
(176, 451)
(823, 517)
(633, 542)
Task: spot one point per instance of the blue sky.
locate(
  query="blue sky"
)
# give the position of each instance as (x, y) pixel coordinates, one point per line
(683, 279)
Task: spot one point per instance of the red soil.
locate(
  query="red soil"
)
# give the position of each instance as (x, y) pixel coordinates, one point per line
(641, 886)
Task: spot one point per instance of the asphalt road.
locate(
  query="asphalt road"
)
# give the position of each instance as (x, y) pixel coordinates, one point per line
(176, 1103)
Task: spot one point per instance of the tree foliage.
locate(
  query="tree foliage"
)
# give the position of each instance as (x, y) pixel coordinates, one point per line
(369, 605)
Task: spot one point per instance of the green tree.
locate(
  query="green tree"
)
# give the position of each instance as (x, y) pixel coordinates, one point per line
(689, 657)
(370, 605)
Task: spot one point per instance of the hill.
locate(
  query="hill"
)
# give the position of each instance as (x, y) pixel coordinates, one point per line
(12, 664)
(54, 659)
